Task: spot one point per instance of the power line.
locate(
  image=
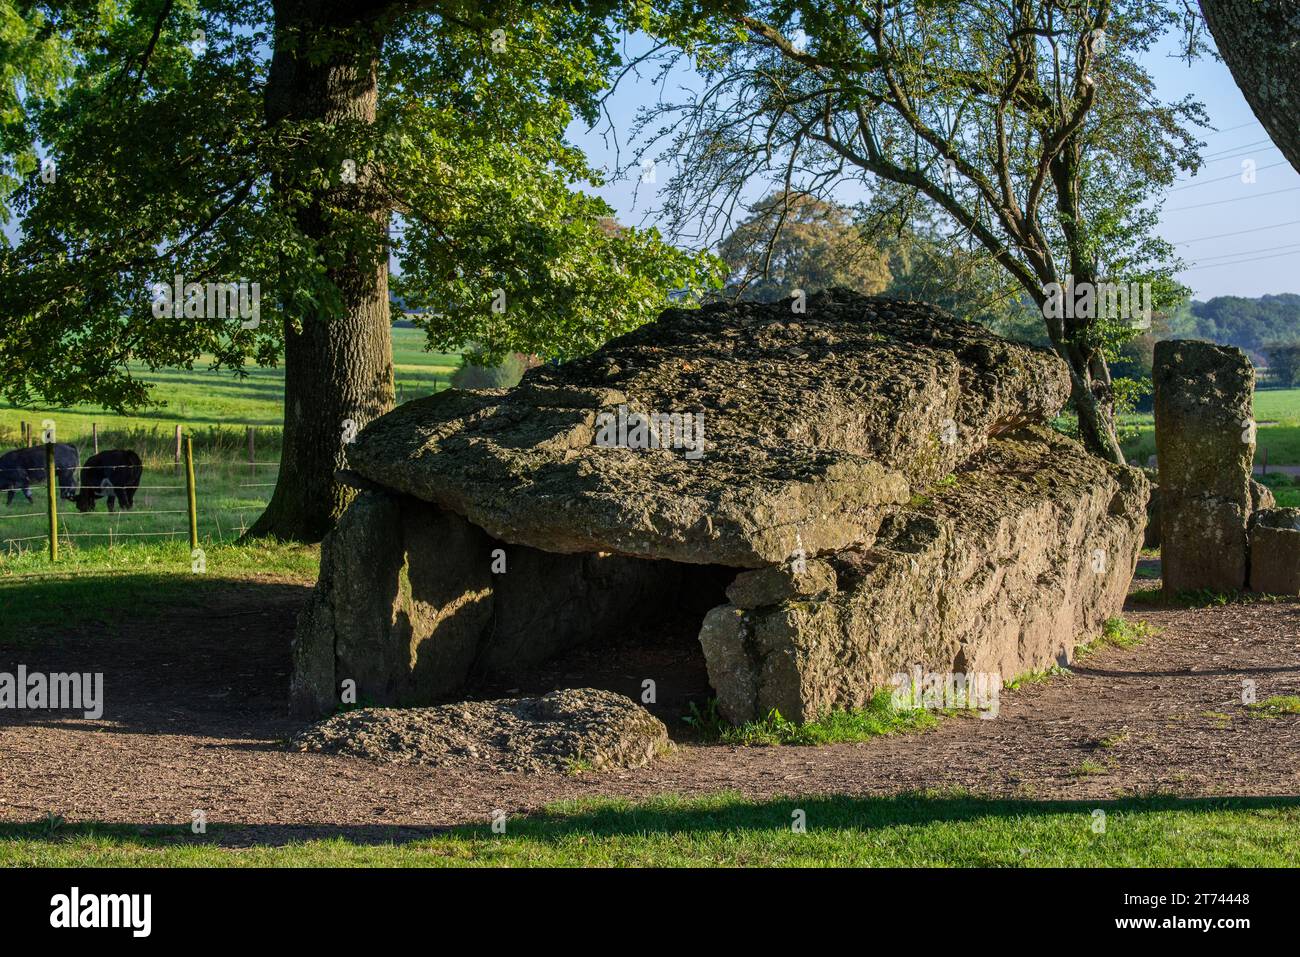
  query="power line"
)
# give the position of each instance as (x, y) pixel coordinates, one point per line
(1250, 252)
(1246, 152)
(1220, 179)
(1220, 202)
(1244, 261)
(1240, 232)
(1233, 149)
(1229, 129)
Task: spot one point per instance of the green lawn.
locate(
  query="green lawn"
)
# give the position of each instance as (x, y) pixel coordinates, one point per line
(99, 582)
(1277, 412)
(729, 831)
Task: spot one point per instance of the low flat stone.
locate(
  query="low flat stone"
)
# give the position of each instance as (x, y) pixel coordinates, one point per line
(573, 729)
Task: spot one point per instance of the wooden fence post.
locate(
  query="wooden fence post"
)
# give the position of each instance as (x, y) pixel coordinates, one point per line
(189, 485)
(251, 460)
(94, 434)
(52, 500)
(31, 435)
(178, 449)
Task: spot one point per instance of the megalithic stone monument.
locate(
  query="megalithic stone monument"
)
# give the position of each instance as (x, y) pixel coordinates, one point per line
(1205, 444)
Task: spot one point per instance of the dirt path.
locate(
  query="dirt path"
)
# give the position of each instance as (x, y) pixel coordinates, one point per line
(195, 718)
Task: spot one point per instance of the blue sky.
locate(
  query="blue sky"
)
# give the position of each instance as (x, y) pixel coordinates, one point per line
(1233, 233)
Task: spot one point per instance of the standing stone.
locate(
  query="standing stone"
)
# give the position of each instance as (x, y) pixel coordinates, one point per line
(1205, 443)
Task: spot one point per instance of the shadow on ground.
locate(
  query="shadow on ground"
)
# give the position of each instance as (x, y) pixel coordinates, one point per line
(724, 814)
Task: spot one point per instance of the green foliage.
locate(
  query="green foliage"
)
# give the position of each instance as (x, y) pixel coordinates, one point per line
(1249, 324)
(929, 264)
(505, 375)
(795, 241)
(167, 165)
(1284, 363)
(959, 106)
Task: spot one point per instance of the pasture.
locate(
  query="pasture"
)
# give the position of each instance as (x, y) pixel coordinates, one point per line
(1277, 416)
(214, 408)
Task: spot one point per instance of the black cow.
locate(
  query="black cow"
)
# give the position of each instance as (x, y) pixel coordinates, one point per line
(113, 475)
(23, 468)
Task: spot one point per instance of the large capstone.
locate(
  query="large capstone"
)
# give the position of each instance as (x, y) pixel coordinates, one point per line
(812, 425)
(1205, 444)
(837, 495)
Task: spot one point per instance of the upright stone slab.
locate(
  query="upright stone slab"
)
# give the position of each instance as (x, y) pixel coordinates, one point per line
(1205, 443)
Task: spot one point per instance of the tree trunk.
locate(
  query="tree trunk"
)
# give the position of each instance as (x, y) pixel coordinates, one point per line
(1074, 336)
(1094, 401)
(1260, 42)
(338, 366)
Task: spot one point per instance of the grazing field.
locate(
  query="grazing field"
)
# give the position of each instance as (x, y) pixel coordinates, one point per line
(215, 410)
(1277, 415)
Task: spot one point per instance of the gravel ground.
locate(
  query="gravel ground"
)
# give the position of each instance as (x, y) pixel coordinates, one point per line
(196, 719)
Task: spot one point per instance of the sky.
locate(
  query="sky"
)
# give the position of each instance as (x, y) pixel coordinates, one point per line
(1234, 235)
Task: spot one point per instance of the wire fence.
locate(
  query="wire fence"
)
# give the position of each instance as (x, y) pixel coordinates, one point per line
(211, 500)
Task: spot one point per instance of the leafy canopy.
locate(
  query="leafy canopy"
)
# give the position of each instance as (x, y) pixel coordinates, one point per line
(155, 115)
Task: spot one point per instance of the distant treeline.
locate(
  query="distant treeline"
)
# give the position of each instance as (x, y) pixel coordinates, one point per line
(1249, 324)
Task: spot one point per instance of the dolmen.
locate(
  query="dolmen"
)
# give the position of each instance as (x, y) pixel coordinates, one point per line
(858, 488)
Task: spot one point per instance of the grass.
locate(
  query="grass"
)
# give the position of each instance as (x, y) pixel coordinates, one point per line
(1035, 677)
(98, 583)
(726, 830)
(1088, 767)
(1118, 633)
(1275, 707)
(1277, 438)
(839, 726)
(203, 397)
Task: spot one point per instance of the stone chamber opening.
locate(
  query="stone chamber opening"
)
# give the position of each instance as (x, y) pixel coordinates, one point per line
(652, 634)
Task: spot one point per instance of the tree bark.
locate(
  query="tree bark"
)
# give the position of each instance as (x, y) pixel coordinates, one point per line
(338, 366)
(1260, 42)
(1074, 338)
